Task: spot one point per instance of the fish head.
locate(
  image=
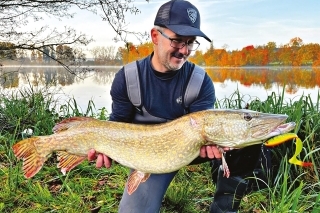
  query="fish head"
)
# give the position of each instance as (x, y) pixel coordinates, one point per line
(241, 128)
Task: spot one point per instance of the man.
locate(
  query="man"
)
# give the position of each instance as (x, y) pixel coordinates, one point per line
(163, 77)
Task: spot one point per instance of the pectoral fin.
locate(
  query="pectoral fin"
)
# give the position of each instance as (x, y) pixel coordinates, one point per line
(226, 171)
(134, 180)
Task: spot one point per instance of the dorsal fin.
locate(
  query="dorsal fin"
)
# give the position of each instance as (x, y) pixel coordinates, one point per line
(69, 123)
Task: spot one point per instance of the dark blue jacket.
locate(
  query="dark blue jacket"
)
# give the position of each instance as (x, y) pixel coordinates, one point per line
(161, 93)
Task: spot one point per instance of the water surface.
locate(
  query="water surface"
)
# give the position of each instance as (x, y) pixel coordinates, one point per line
(253, 82)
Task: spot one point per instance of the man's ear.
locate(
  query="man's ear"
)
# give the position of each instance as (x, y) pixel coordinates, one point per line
(154, 35)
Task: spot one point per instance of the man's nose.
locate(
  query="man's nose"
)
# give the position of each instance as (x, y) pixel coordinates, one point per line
(184, 50)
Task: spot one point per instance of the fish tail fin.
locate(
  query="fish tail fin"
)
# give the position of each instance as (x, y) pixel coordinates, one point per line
(134, 180)
(33, 160)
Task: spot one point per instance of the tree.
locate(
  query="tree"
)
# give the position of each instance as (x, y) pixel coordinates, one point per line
(208, 55)
(197, 58)
(7, 51)
(284, 55)
(46, 54)
(295, 44)
(65, 53)
(15, 16)
(272, 48)
(103, 55)
(225, 46)
(33, 56)
(145, 49)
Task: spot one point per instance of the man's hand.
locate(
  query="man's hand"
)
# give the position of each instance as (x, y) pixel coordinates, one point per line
(101, 159)
(211, 152)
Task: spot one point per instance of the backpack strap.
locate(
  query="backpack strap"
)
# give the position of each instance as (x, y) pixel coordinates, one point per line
(194, 85)
(134, 89)
(133, 83)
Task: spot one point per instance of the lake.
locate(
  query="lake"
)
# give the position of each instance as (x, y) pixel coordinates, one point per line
(252, 82)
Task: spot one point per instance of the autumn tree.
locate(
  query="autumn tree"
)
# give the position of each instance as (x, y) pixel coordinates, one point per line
(284, 55)
(316, 62)
(248, 54)
(295, 44)
(271, 47)
(144, 49)
(131, 52)
(197, 58)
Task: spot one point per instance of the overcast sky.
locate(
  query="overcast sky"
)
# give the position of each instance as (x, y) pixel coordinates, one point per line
(237, 23)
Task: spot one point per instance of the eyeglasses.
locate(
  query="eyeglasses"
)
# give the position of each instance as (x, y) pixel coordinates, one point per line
(177, 43)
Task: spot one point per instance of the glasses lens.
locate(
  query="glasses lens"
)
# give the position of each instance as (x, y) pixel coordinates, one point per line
(193, 46)
(177, 44)
(181, 44)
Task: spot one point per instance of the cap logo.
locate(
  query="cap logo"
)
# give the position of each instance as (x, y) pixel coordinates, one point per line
(192, 13)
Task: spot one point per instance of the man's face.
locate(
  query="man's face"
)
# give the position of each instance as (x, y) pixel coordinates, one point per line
(169, 55)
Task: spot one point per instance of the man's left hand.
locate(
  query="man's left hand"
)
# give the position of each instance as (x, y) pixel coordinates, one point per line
(210, 151)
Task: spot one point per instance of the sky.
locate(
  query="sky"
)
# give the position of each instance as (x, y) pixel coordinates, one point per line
(235, 23)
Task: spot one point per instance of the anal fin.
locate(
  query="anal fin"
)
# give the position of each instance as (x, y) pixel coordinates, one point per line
(68, 161)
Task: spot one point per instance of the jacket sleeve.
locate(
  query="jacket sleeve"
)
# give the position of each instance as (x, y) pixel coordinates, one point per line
(122, 108)
(206, 97)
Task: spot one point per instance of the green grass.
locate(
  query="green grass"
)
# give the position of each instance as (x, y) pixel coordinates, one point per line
(87, 189)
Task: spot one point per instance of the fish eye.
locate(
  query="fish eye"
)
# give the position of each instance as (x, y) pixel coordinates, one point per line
(247, 116)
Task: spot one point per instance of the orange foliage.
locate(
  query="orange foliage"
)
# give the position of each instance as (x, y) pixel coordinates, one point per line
(316, 63)
(132, 52)
(295, 53)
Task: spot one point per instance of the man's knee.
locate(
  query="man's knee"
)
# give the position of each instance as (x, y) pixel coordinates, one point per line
(148, 196)
(228, 194)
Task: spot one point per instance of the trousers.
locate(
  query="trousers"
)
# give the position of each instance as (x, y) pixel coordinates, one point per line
(148, 196)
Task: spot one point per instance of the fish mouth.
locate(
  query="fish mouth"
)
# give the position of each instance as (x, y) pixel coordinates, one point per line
(281, 129)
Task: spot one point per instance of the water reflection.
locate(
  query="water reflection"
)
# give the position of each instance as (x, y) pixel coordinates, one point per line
(95, 85)
(294, 78)
(259, 82)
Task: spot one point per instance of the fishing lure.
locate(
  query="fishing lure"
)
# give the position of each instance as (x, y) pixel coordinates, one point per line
(277, 140)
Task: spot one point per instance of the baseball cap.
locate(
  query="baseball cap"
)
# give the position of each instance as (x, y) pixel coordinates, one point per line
(181, 17)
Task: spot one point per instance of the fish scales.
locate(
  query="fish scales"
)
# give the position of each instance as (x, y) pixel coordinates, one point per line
(159, 148)
(164, 147)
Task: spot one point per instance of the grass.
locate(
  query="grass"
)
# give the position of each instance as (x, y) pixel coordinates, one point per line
(87, 189)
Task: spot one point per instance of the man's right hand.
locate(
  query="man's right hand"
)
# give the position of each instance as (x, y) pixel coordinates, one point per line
(101, 159)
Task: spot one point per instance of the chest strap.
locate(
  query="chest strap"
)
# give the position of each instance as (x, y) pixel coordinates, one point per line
(133, 83)
(194, 86)
(134, 89)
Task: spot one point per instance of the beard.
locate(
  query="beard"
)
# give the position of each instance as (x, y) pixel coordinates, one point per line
(165, 58)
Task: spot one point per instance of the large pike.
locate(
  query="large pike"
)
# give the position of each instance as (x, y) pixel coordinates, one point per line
(159, 148)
